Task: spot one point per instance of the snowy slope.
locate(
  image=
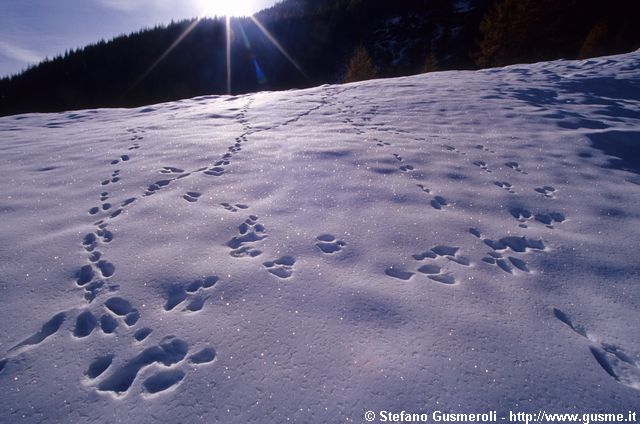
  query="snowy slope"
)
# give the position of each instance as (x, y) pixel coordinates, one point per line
(461, 241)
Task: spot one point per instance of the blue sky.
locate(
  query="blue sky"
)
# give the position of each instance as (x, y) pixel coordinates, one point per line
(31, 30)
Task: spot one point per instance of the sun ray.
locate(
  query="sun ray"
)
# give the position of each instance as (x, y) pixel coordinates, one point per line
(166, 52)
(278, 45)
(261, 77)
(228, 46)
(228, 22)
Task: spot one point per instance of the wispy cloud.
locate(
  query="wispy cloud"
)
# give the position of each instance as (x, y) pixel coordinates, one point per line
(18, 53)
(119, 5)
(168, 8)
(148, 5)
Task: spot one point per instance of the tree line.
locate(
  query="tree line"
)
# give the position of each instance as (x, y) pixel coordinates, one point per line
(330, 41)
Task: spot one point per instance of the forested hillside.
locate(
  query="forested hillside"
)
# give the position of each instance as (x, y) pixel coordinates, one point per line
(302, 43)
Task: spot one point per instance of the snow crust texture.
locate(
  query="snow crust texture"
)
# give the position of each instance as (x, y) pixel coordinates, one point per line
(461, 241)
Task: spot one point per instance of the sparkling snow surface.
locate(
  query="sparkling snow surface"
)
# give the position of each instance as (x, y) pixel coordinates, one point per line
(461, 241)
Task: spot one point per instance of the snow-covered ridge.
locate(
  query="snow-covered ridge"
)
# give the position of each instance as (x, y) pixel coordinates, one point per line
(459, 240)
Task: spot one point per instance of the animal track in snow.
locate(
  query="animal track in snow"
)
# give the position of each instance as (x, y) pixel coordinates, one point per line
(192, 196)
(171, 170)
(118, 306)
(618, 364)
(398, 273)
(447, 278)
(434, 271)
(216, 171)
(48, 329)
(142, 333)
(516, 167)
(196, 303)
(235, 207)
(170, 351)
(163, 380)
(507, 264)
(451, 148)
(123, 158)
(546, 218)
(438, 202)
(482, 165)
(218, 168)
(108, 324)
(175, 296)
(204, 356)
(423, 188)
(521, 214)
(424, 255)
(281, 267)
(84, 275)
(99, 366)
(158, 185)
(105, 235)
(549, 218)
(567, 320)
(250, 233)
(327, 243)
(380, 143)
(128, 201)
(611, 358)
(483, 148)
(547, 191)
(192, 292)
(505, 185)
(107, 269)
(452, 254)
(123, 309)
(515, 244)
(85, 324)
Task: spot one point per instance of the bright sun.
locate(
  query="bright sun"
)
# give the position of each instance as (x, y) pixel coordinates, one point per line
(212, 8)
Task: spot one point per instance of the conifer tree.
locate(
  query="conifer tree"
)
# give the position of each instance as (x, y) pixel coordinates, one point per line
(360, 67)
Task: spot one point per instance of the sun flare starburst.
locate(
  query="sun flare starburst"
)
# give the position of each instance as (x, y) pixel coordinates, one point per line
(226, 9)
(212, 8)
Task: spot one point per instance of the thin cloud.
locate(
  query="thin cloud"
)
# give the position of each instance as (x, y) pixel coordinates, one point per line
(140, 5)
(18, 53)
(119, 5)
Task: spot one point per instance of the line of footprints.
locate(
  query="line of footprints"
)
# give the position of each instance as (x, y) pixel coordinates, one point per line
(251, 233)
(116, 312)
(95, 276)
(216, 169)
(434, 268)
(506, 253)
(171, 352)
